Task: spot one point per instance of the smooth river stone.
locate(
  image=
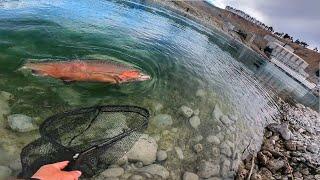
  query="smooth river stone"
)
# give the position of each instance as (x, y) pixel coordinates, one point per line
(216, 113)
(162, 155)
(144, 150)
(194, 122)
(21, 123)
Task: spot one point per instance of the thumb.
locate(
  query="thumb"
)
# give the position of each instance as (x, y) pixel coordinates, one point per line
(61, 165)
(75, 174)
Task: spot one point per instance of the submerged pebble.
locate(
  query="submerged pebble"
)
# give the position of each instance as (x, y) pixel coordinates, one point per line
(198, 148)
(5, 172)
(196, 112)
(136, 177)
(225, 120)
(158, 107)
(208, 169)
(161, 155)
(186, 111)
(217, 113)
(198, 138)
(225, 149)
(155, 169)
(190, 176)
(194, 122)
(213, 139)
(113, 172)
(162, 120)
(4, 105)
(201, 93)
(21, 123)
(144, 150)
(179, 152)
(225, 167)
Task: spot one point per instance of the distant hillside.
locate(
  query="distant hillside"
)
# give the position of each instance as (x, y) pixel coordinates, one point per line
(217, 17)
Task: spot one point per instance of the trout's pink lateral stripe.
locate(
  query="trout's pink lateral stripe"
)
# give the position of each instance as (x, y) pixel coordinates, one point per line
(95, 71)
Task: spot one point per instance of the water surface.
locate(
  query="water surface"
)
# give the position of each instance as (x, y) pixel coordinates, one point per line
(190, 65)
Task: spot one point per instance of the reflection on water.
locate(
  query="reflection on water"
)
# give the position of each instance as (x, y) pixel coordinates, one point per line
(230, 89)
(277, 81)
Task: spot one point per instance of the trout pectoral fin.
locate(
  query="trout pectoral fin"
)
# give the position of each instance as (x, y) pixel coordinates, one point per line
(117, 79)
(37, 73)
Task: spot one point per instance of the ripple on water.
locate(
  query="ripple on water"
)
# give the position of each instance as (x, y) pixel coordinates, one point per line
(189, 66)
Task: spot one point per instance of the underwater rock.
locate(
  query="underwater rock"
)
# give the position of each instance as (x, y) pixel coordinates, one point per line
(207, 169)
(69, 95)
(174, 130)
(233, 118)
(225, 167)
(157, 107)
(162, 121)
(179, 152)
(186, 111)
(194, 122)
(122, 161)
(215, 152)
(144, 150)
(155, 169)
(21, 123)
(213, 139)
(5, 172)
(225, 149)
(225, 120)
(15, 165)
(196, 112)
(190, 176)
(138, 164)
(5, 96)
(162, 155)
(113, 172)
(198, 148)
(4, 106)
(282, 129)
(216, 113)
(200, 93)
(136, 177)
(198, 138)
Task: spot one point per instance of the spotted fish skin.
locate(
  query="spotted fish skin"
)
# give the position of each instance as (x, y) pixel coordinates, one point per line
(87, 70)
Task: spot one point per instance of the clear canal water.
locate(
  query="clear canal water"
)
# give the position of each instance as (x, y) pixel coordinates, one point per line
(190, 65)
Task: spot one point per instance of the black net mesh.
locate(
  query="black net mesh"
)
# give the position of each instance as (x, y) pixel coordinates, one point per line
(90, 138)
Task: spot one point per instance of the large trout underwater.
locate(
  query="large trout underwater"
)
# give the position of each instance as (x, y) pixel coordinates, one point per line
(87, 70)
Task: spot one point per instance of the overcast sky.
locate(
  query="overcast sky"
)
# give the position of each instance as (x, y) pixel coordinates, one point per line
(298, 18)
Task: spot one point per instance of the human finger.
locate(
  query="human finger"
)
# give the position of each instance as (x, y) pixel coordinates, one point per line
(60, 165)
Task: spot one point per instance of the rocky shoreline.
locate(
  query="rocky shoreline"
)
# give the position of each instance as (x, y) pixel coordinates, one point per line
(290, 150)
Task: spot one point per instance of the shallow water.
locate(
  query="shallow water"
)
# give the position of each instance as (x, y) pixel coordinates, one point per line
(189, 64)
